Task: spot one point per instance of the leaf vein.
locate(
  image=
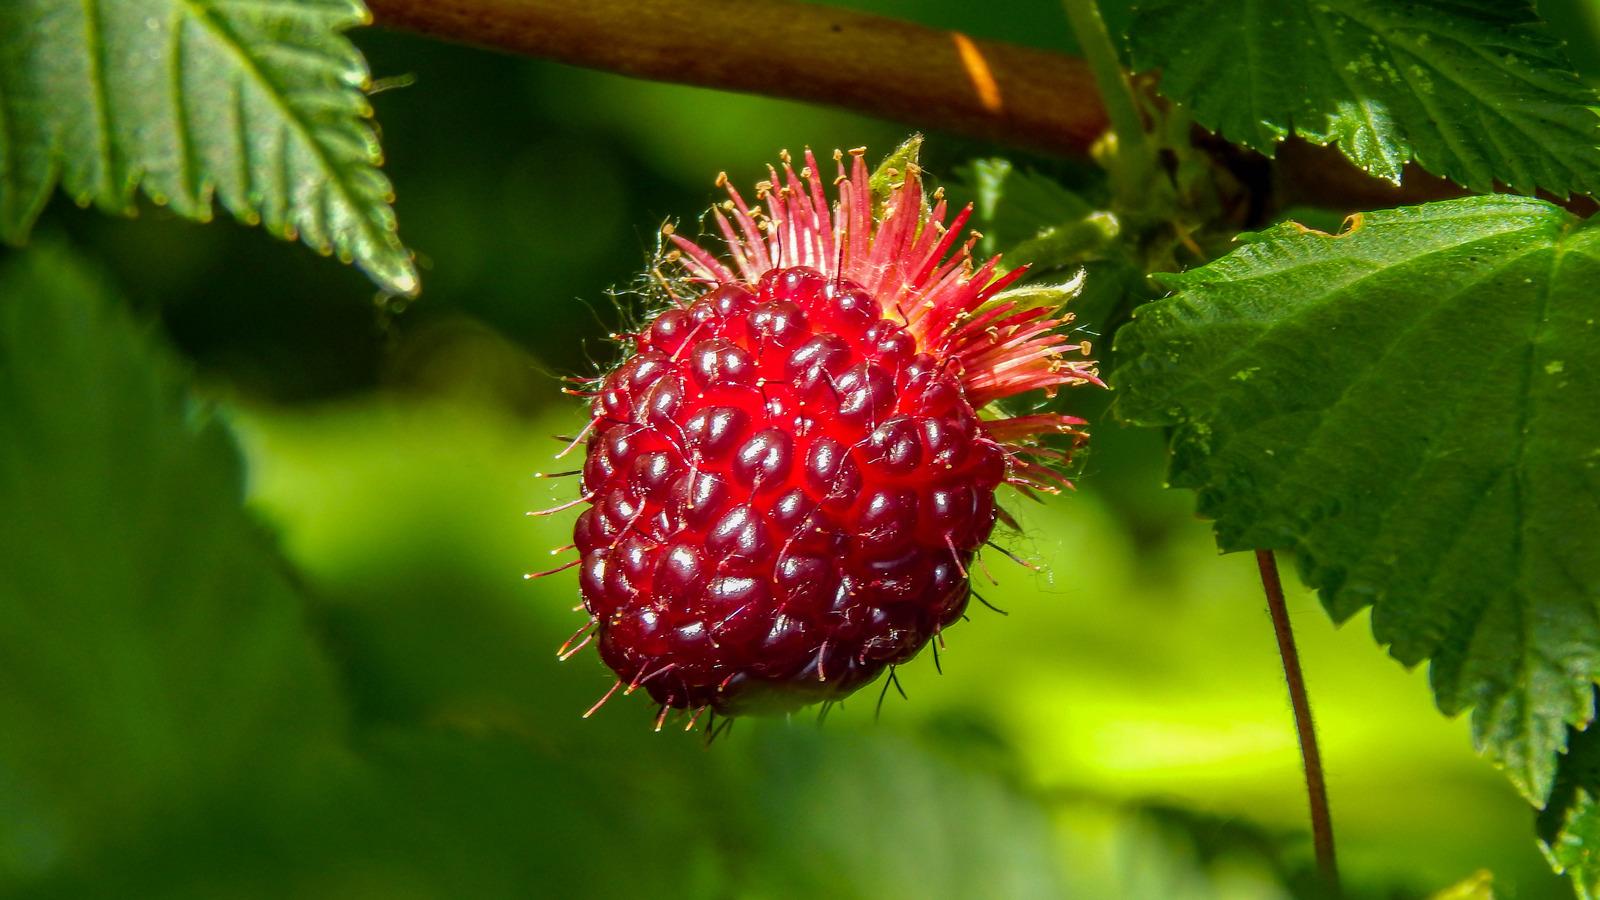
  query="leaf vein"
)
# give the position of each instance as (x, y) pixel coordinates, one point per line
(247, 65)
(99, 99)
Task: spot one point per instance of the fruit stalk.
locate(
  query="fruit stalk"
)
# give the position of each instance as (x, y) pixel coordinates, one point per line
(1316, 786)
(1133, 162)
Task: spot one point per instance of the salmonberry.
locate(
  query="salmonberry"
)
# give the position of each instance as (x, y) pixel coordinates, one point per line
(788, 475)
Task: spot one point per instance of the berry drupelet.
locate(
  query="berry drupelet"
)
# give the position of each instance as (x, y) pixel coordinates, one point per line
(787, 477)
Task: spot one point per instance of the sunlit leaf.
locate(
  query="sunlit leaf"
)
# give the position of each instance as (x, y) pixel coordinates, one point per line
(1569, 826)
(1475, 90)
(1410, 407)
(257, 103)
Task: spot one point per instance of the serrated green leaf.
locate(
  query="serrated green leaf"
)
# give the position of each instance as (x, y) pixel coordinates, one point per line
(152, 647)
(1474, 90)
(1569, 826)
(1410, 407)
(257, 103)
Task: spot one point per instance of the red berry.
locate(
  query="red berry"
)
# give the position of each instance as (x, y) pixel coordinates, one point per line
(788, 476)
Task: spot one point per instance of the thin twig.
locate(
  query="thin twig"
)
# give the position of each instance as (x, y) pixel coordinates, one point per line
(1316, 786)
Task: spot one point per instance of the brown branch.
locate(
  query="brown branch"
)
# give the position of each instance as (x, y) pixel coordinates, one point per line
(898, 70)
(926, 77)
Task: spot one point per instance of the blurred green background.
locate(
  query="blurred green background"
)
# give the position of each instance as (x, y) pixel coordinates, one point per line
(1124, 732)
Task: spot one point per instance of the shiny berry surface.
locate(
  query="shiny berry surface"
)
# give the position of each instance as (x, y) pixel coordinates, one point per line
(785, 493)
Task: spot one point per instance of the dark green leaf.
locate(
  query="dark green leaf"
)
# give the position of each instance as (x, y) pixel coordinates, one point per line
(1475, 90)
(1570, 825)
(257, 102)
(1409, 406)
(152, 647)
(1033, 220)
